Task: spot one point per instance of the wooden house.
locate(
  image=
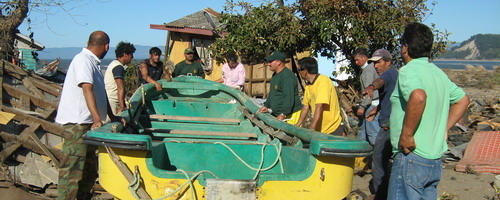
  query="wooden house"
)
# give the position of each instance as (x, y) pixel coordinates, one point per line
(26, 47)
(197, 31)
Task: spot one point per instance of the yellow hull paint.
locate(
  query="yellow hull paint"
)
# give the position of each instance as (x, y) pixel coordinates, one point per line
(331, 179)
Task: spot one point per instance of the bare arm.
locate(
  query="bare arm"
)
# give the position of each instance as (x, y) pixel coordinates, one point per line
(91, 104)
(147, 78)
(317, 114)
(166, 75)
(414, 111)
(456, 111)
(121, 94)
(376, 84)
(303, 114)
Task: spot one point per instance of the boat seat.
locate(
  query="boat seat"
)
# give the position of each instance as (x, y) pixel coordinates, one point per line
(195, 119)
(204, 133)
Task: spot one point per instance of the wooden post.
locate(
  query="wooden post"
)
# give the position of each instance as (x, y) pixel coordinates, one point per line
(250, 83)
(2, 63)
(126, 172)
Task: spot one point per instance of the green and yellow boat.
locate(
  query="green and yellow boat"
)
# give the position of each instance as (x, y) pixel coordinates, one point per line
(198, 139)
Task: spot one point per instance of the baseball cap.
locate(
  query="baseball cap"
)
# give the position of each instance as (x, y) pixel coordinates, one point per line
(188, 50)
(276, 55)
(379, 53)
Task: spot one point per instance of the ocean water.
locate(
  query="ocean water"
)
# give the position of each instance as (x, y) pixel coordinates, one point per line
(460, 64)
(443, 64)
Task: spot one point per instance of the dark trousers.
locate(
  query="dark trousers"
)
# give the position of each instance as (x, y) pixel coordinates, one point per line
(381, 168)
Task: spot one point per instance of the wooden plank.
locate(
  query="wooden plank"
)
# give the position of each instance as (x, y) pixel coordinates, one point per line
(208, 133)
(30, 87)
(29, 144)
(44, 148)
(51, 89)
(7, 151)
(46, 125)
(186, 118)
(48, 112)
(1, 83)
(127, 173)
(15, 92)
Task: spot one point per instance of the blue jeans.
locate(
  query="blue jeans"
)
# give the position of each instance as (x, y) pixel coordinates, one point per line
(368, 130)
(414, 177)
(381, 169)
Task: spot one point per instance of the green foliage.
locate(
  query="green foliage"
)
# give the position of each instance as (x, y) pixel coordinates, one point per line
(323, 26)
(259, 31)
(131, 78)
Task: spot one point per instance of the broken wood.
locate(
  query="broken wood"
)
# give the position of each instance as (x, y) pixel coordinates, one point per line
(43, 147)
(30, 87)
(29, 144)
(141, 192)
(51, 89)
(46, 125)
(17, 93)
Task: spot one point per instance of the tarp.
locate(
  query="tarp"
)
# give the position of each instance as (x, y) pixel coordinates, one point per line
(482, 154)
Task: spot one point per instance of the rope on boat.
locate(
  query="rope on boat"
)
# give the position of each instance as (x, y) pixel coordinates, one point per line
(259, 169)
(134, 185)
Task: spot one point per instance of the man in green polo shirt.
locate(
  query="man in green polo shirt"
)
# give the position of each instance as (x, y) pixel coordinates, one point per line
(188, 67)
(425, 105)
(283, 98)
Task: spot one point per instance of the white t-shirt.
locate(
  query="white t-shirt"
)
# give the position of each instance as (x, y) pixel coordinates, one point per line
(109, 80)
(84, 68)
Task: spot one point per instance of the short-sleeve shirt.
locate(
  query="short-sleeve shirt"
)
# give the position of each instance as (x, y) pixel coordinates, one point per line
(283, 95)
(183, 68)
(234, 77)
(115, 70)
(441, 93)
(390, 78)
(84, 68)
(322, 91)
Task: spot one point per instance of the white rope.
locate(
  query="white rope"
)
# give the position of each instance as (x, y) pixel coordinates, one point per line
(259, 169)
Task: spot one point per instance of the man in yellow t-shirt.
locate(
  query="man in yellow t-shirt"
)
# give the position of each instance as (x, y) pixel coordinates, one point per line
(321, 98)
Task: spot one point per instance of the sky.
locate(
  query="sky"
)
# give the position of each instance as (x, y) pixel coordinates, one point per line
(129, 20)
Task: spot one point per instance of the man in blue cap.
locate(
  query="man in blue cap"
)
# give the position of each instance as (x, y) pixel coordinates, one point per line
(283, 99)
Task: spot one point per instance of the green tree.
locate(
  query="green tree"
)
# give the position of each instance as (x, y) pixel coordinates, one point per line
(324, 26)
(260, 30)
(14, 12)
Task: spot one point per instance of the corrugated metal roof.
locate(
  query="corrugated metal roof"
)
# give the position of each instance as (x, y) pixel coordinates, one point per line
(198, 20)
(27, 42)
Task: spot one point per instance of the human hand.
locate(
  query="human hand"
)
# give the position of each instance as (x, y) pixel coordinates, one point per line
(158, 87)
(369, 91)
(281, 117)
(263, 109)
(407, 143)
(371, 115)
(360, 111)
(96, 124)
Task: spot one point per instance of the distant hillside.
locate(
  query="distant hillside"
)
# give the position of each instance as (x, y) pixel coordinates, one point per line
(478, 47)
(69, 52)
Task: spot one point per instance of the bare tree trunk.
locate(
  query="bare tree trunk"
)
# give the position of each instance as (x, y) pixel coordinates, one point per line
(9, 25)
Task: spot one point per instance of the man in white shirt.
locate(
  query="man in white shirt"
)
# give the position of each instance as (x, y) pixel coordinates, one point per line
(83, 106)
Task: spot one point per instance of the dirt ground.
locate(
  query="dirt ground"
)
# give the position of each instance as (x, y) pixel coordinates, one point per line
(454, 185)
